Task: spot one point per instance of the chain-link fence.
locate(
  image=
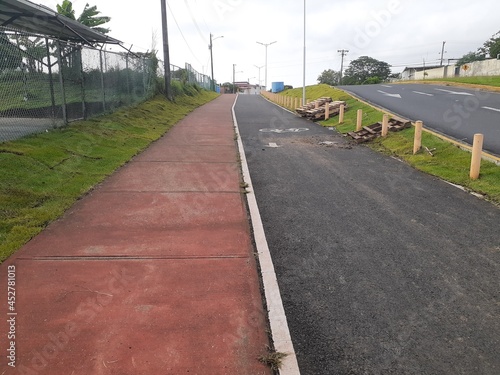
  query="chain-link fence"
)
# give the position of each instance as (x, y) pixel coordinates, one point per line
(46, 83)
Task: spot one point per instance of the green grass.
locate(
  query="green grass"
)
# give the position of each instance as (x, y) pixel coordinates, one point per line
(44, 174)
(449, 162)
(491, 81)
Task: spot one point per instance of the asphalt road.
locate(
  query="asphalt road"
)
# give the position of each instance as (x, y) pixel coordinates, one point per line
(454, 111)
(14, 128)
(382, 269)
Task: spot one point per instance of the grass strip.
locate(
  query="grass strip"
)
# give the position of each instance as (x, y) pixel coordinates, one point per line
(44, 174)
(490, 83)
(449, 162)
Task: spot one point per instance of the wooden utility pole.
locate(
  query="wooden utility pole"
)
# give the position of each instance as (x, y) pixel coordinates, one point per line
(343, 52)
(442, 53)
(166, 53)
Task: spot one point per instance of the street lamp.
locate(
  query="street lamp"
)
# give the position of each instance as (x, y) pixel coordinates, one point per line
(266, 45)
(212, 85)
(304, 71)
(234, 76)
(259, 67)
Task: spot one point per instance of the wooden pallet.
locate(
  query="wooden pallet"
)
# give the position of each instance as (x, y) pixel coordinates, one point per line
(312, 105)
(315, 114)
(367, 133)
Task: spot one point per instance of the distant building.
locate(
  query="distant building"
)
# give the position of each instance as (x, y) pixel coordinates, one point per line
(428, 72)
(248, 89)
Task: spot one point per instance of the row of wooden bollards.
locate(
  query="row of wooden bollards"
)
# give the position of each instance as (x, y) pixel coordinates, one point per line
(282, 100)
(477, 146)
(477, 149)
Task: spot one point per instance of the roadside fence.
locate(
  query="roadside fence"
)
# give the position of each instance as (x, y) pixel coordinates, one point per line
(47, 83)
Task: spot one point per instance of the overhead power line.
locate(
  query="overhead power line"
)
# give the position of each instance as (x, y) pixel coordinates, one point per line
(187, 44)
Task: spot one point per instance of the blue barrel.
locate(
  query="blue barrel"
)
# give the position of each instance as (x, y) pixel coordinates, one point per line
(278, 86)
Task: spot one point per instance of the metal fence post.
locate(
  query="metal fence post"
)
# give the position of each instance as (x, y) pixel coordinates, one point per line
(82, 78)
(102, 82)
(144, 78)
(127, 74)
(51, 79)
(61, 82)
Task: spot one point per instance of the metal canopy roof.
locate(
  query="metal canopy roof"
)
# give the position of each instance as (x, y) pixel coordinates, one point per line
(23, 15)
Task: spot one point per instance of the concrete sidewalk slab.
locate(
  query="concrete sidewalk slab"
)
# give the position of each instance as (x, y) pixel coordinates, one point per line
(151, 225)
(176, 177)
(138, 317)
(189, 153)
(153, 272)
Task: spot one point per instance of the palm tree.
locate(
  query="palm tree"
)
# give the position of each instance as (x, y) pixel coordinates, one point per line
(89, 17)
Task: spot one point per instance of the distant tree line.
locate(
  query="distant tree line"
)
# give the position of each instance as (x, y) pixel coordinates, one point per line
(362, 71)
(490, 48)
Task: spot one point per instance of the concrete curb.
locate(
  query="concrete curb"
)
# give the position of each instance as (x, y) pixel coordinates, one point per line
(277, 318)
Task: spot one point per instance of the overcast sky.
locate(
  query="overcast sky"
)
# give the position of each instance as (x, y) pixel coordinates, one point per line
(399, 32)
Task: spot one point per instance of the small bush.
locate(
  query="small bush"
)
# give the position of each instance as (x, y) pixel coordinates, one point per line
(177, 89)
(190, 90)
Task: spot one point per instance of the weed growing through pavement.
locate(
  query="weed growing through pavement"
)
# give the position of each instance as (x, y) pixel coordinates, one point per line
(273, 359)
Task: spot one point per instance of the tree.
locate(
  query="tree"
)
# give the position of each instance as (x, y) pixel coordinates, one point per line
(10, 56)
(491, 46)
(365, 68)
(89, 17)
(66, 9)
(470, 57)
(329, 77)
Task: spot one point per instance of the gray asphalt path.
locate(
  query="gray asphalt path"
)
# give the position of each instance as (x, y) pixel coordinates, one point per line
(383, 269)
(14, 128)
(454, 111)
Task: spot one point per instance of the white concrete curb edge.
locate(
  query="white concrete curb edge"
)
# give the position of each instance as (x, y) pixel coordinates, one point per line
(277, 318)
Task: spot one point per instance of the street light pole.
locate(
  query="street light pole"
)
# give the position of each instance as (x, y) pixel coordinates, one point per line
(304, 63)
(210, 47)
(259, 67)
(266, 45)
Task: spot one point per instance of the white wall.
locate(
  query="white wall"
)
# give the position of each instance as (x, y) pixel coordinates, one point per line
(490, 67)
(431, 73)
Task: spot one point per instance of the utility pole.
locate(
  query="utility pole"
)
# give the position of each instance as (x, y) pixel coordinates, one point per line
(166, 54)
(343, 52)
(210, 47)
(212, 86)
(442, 53)
(234, 75)
(266, 45)
(304, 62)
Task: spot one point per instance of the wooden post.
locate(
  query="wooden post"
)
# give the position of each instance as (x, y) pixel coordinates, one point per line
(477, 149)
(341, 114)
(417, 143)
(385, 125)
(327, 111)
(297, 103)
(359, 121)
(316, 105)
